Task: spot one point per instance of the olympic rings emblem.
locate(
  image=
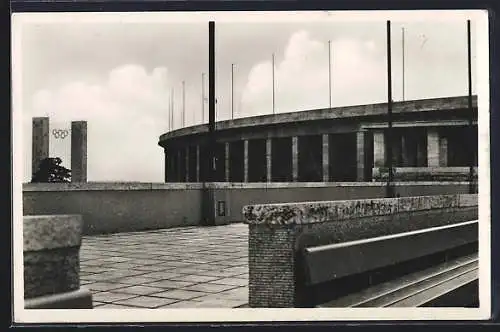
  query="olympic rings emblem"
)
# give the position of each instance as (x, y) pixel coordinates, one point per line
(60, 133)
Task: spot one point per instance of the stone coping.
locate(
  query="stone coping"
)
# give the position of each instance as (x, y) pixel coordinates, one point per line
(410, 106)
(427, 170)
(45, 232)
(124, 186)
(105, 186)
(284, 185)
(315, 212)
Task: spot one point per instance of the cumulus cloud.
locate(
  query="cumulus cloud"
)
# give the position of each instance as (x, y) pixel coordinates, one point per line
(125, 116)
(128, 110)
(127, 107)
(301, 76)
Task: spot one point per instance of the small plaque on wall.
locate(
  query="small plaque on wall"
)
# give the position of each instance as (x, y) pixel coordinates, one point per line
(221, 208)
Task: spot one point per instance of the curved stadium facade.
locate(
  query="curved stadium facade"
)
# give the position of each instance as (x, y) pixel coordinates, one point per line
(343, 144)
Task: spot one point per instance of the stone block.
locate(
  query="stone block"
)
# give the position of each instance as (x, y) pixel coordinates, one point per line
(51, 261)
(467, 200)
(51, 271)
(51, 232)
(407, 204)
(314, 212)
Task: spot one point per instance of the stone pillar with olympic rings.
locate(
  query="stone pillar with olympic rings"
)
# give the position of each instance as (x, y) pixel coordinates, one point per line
(40, 142)
(41, 145)
(79, 151)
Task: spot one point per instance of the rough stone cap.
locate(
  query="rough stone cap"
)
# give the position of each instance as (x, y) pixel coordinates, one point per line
(323, 211)
(107, 186)
(45, 232)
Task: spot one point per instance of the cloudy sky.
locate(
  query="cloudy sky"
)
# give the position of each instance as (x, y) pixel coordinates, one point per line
(118, 76)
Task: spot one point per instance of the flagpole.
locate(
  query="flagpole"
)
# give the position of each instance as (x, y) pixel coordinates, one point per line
(202, 97)
(183, 103)
(273, 84)
(389, 113)
(173, 107)
(330, 73)
(471, 115)
(403, 64)
(169, 111)
(232, 91)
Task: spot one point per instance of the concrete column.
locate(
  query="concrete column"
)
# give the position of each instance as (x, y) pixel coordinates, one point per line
(421, 154)
(269, 146)
(326, 158)
(179, 170)
(396, 149)
(187, 163)
(432, 147)
(378, 149)
(443, 151)
(226, 160)
(295, 158)
(40, 142)
(405, 153)
(79, 151)
(170, 174)
(360, 155)
(197, 163)
(167, 161)
(245, 161)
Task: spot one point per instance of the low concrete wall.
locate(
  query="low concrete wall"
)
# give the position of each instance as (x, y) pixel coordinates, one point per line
(124, 207)
(117, 207)
(277, 232)
(237, 195)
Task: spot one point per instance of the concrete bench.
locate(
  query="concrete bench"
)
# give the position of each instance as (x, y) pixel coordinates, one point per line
(51, 263)
(364, 252)
(437, 266)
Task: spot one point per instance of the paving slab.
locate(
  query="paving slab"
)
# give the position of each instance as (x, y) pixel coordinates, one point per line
(169, 284)
(147, 302)
(105, 286)
(110, 297)
(140, 290)
(180, 294)
(231, 281)
(187, 267)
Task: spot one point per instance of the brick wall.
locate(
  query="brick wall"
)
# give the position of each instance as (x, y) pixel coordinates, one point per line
(274, 265)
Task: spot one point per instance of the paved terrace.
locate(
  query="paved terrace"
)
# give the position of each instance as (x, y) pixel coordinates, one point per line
(188, 267)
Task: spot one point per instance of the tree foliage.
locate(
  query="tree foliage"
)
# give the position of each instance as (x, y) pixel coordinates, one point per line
(50, 170)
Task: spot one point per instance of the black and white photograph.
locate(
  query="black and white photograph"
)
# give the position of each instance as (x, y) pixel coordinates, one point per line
(242, 166)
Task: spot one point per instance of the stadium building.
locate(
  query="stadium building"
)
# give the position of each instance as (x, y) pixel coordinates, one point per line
(431, 139)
